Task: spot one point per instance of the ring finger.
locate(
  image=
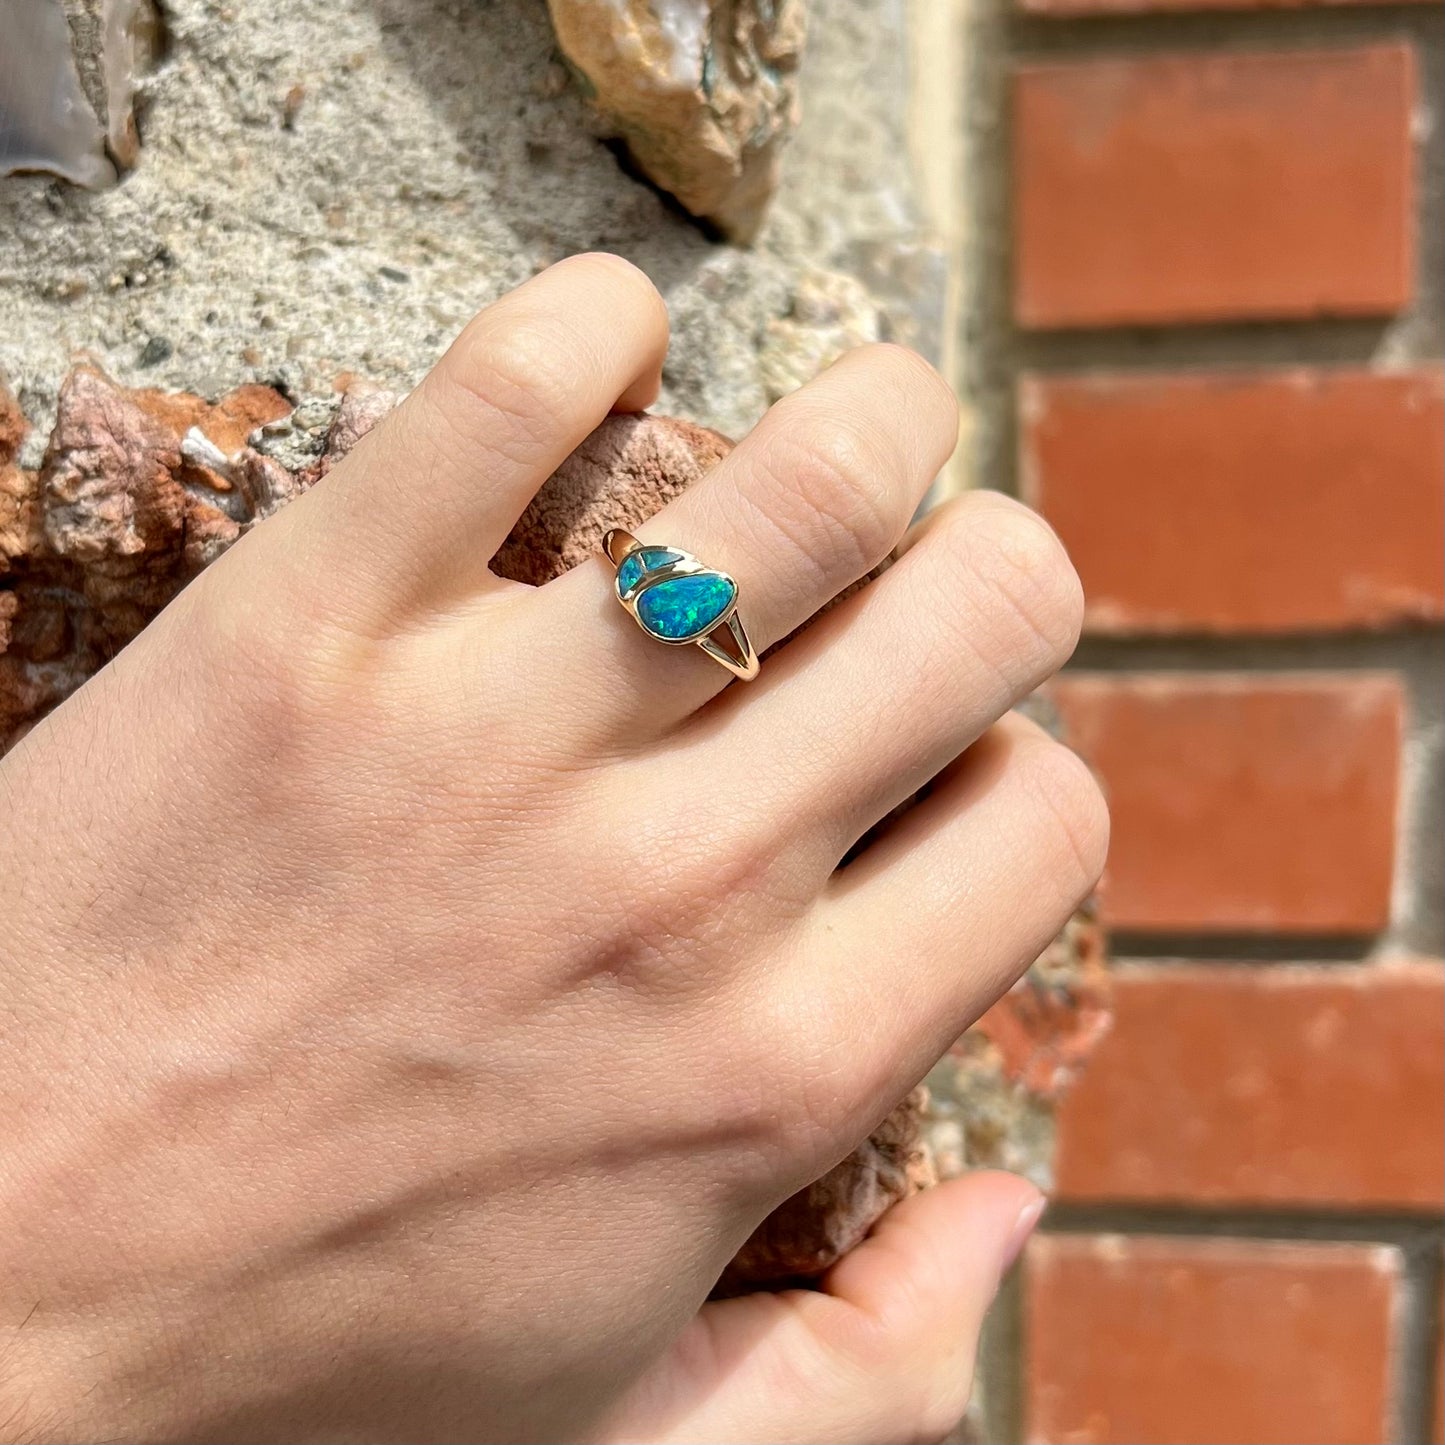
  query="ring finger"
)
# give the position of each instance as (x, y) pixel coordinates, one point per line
(812, 499)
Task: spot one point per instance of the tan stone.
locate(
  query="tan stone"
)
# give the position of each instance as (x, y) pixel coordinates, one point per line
(830, 314)
(704, 92)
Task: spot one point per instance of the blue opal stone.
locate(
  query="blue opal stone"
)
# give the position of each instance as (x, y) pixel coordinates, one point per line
(648, 559)
(685, 607)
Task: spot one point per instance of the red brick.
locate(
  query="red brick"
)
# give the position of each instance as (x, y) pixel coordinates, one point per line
(1243, 803)
(1214, 187)
(1173, 1341)
(1260, 1086)
(1244, 502)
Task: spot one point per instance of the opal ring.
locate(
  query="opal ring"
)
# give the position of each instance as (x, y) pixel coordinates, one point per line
(674, 598)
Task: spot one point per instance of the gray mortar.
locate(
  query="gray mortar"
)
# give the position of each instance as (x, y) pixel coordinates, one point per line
(437, 157)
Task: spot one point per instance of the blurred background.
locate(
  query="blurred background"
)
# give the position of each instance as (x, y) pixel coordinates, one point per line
(1210, 354)
(1185, 262)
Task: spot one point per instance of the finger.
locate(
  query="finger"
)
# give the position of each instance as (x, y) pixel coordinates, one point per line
(813, 498)
(924, 1280)
(416, 512)
(884, 1352)
(937, 918)
(893, 684)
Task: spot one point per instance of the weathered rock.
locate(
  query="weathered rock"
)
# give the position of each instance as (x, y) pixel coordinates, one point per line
(627, 469)
(12, 426)
(145, 488)
(114, 42)
(263, 235)
(992, 1096)
(1044, 1029)
(68, 76)
(830, 313)
(704, 93)
(138, 491)
(19, 498)
(814, 1229)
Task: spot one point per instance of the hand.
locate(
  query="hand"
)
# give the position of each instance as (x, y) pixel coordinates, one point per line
(417, 986)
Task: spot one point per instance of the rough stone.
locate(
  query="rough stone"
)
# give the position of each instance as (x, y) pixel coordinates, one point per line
(69, 72)
(992, 1096)
(703, 92)
(830, 313)
(114, 43)
(260, 232)
(138, 490)
(814, 1229)
(19, 499)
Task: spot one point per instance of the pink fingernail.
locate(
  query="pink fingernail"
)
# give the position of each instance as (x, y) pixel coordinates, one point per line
(1024, 1226)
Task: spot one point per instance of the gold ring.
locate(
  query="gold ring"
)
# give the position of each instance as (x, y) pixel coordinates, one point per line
(672, 597)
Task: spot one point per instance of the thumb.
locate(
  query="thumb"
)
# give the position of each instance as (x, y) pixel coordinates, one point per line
(922, 1284)
(884, 1351)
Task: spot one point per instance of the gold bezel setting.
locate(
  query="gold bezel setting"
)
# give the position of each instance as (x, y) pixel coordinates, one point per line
(722, 636)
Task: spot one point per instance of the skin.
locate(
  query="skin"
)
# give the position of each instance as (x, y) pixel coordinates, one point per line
(417, 986)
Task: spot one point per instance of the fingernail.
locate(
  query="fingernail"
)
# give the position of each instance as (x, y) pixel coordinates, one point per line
(1024, 1226)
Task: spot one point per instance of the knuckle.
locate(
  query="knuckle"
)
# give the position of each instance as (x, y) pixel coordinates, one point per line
(511, 389)
(681, 883)
(617, 271)
(755, 1107)
(785, 1075)
(283, 686)
(830, 496)
(917, 376)
(1070, 798)
(1019, 558)
(709, 857)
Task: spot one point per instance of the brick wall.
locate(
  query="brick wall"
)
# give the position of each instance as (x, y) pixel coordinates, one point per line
(1208, 245)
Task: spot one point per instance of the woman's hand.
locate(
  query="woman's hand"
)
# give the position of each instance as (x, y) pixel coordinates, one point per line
(416, 986)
